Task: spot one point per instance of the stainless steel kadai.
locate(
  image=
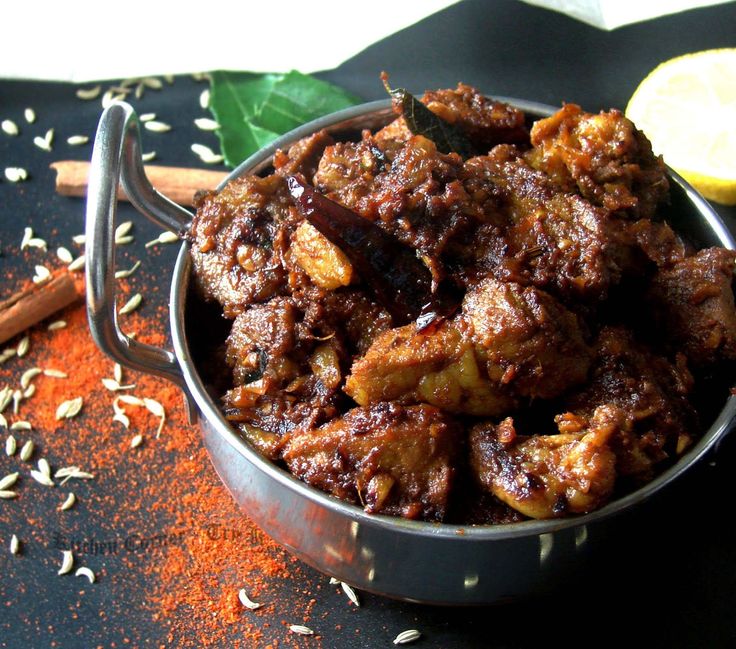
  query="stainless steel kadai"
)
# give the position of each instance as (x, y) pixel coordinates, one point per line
(414, 561)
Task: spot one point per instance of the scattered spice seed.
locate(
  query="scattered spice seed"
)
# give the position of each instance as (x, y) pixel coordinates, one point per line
(152, 82)
(27, 236)
(206, 124)
(67, 562)
(89, 93)
(28, 376)
(350, 592)
(23, 346)
(206, 154)
(164, 237)
(5, 355)
(123, 229)
(55, 326)
(147, 117)
(17, 398)
(30, 391)
(117, 372)
(70, 408)
(30, 115)
(41, 478)
(20, 425)
(42, 275)
(3, 421)
(77, 264)
(8, 481)
(405, 637)
(69, 502)
(246, 601)
(14, 544)
(16, 174)
(301, 630)
(131, 305)
(147, 157)
(204, 98)
(6, 392)
(136, 441)
(156, 127)
(9, 127)
(77, 140)
(64, 255)
(56, 374)
(85, 572)
(43, 467)
(122, 274)
(79, 239)
(36, 242)
(43, 143)
(69, 472)
(8, 495)
(27, 451)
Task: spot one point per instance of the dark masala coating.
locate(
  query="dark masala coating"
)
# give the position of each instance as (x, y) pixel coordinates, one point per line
(527, 398)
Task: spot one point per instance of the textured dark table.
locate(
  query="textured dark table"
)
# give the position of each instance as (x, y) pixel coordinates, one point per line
(675, 589)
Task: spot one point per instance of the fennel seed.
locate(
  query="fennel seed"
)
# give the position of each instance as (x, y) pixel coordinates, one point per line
(69, 502)
(8, 481)
(30, 115)
(246, 601)
(85, 572)
(14, 544)
(67, 562)
(405, 637)
(27, 451)
(9, 127)
(131, 305)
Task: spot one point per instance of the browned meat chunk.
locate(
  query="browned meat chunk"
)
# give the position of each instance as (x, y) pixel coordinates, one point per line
(392, 459)
(604, 156)
(558, 240)
(259, 344)
(238, 240)
(527, 339)
(546, 476)
(303, 157)
(509, 342)
(650, 390)
(694, 302)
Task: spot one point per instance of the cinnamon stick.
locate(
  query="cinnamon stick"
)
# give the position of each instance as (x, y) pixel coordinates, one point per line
(176, 183)
(28, 307)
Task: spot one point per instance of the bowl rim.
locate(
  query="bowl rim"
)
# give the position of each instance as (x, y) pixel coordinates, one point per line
(341, 120)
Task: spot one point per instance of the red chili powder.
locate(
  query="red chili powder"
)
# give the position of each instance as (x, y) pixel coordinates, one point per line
(166, 488)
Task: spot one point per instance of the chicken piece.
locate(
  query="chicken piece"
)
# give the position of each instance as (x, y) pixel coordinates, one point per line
(509, 342)
(436, 365)
(393, 459)
(693, 302)
(556, 240)
(546, 476)
(603, 156)
(527, 339)
(259, 345)
(326, 265)
(303, 156)
(651, 391)
(238, 238)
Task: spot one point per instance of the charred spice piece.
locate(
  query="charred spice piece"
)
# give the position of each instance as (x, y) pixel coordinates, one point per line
(390, 270)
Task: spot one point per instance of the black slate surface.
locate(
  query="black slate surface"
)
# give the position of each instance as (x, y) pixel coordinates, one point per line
(665, 578)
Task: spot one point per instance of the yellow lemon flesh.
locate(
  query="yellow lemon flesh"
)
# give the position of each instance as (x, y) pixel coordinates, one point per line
(687, 108)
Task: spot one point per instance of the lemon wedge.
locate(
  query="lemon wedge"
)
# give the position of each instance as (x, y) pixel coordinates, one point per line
(687, 108)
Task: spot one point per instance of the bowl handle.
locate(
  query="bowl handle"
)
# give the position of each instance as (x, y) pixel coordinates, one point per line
(116, 158)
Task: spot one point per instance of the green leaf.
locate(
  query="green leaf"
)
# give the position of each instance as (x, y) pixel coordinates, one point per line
(254, 109)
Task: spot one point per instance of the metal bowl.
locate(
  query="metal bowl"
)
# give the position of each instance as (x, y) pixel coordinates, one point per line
(409, 560)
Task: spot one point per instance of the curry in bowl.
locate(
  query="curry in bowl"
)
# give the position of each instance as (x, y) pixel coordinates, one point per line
(465, 316)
